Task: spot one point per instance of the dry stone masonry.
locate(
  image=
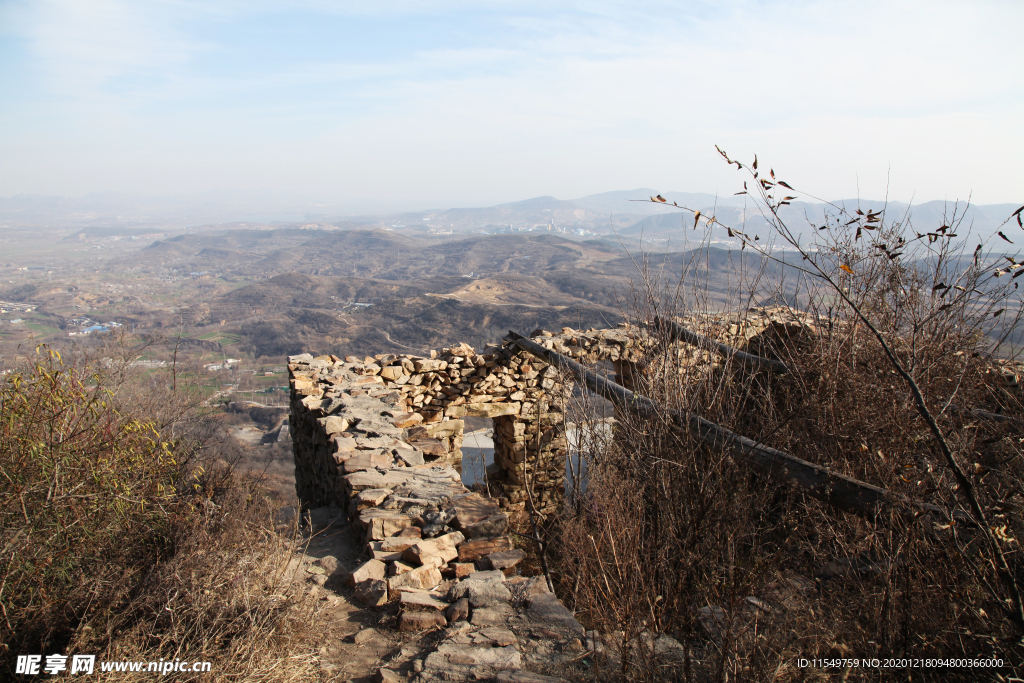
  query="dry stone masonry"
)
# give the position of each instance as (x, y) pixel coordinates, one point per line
(380, 438)
(385, 454)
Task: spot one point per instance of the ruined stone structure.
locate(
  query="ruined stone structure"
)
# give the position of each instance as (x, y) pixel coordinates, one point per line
(429, 398)
(380, 439)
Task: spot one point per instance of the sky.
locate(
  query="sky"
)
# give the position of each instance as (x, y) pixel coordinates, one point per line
(477, 103)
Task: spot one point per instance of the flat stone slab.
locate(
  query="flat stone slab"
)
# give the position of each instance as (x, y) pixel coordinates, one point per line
(505, 561)
(450, 655)
(545, 610)
(372, 479)
(481, 593)
(424, 600)
(498, 615)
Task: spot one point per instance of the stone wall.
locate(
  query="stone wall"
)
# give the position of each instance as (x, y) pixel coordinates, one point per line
(431, 396)
(440, 551)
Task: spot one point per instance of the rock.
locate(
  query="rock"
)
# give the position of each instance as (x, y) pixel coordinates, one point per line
(443, 429)
(392, 373)
(713, 620)
(411, 532)
(464, 569)
(505, 560)
(367, 460)
(491, 616)
(546, 610)
(329, 564)
(495, 525)
(421, 621)
(421, 577)
(489, 575)
(383, 555)
(535, 585)
(399, 543)
(365, 635)
(437, 551)
(458, 611)
(381, 524)
(422, 600)
(344, 447)
(449, 655)
(431, 447)
(411, 457)
(428, 365)
(371, 569)
(669, 648)
(370, 498)
(495, 636)
(333, 424)
(480, 593)
(388, 675)
(471, 551)
(398, 568)
(437, 521)
(371, 592)
(361, 481)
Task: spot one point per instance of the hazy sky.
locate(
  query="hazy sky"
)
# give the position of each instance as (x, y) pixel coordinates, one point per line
(474, 103)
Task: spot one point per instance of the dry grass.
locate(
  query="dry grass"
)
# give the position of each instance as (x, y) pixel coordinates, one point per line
(750, 574)
(127, 532)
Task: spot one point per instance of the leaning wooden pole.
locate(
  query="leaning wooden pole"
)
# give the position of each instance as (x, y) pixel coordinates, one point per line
(837, 490)
(677, 332)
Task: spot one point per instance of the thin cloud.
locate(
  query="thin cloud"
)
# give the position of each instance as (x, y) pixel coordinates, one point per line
(609, 94)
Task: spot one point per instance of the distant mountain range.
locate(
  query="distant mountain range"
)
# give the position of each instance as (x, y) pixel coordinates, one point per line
(629, 213)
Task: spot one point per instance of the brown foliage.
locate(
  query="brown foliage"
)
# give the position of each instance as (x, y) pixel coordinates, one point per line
(127, 533)
(750, 574)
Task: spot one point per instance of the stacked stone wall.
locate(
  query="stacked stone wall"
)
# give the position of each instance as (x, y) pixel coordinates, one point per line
(437, 549)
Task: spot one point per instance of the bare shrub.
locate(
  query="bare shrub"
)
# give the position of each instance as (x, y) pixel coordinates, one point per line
(749, 573)
(128, 533)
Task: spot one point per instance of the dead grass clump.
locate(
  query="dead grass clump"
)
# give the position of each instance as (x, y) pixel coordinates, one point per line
(228, 596)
